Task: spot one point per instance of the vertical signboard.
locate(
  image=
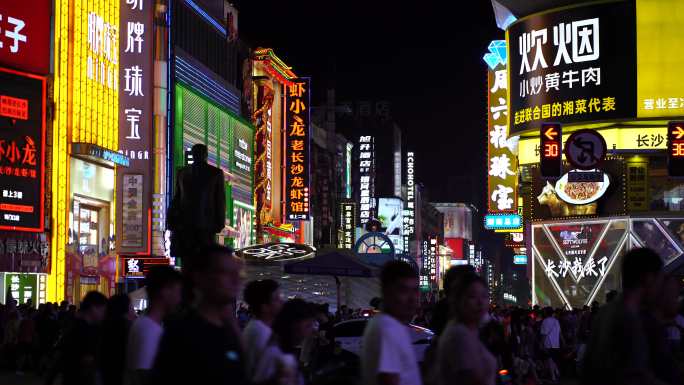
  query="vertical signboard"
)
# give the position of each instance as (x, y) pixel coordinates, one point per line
(241, 161)
(366, 182)
(675, 149)
(134, 184)
(432, 261)
(502, 161)
(297, 149)
(25, 35)
(347, 225)
(22, 151)
(263, 165)
(424, 279)
(409, 210)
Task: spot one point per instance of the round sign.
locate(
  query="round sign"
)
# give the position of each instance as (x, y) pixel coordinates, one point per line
(276, 252)
(585, 149)
(375, 248)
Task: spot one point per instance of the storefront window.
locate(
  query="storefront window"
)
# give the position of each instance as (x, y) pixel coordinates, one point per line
(91, 223)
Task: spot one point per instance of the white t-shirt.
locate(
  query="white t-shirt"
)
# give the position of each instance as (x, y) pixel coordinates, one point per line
(274, 362)
(143, 342)
(550, 332)
(387, 348)
(460, 350)
(256, 336)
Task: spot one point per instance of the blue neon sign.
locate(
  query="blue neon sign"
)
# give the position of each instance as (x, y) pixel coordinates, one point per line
(520, 259)
(502, 221)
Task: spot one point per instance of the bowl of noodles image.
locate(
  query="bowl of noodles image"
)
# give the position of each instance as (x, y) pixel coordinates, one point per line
(581, 193)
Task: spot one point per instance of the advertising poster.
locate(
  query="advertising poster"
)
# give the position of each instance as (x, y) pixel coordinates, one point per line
(244, 225)
(572, 65)
(22, 151)
(390, 215)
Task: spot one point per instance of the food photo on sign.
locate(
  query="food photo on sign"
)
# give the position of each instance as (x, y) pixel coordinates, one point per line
(578, 193)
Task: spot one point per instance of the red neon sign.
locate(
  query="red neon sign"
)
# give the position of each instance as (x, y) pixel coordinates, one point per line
(16, 108)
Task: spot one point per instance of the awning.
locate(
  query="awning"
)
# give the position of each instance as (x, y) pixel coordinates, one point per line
(336, 263)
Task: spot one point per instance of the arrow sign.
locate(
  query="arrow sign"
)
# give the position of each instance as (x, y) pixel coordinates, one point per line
(678, 132)
(551, 133)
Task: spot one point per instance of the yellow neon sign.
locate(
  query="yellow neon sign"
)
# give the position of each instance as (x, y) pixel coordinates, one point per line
(651, 138)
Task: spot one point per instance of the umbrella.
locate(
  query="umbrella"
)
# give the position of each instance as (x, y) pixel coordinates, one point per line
(337, 263)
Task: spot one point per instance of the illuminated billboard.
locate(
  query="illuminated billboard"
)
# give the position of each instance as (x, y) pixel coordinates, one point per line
(22, 151)
(577, 262)
(25, 35)
(390, 215)
(502, 163)
(134, 185)
(576, 64)
(366, 178)
(297, 149)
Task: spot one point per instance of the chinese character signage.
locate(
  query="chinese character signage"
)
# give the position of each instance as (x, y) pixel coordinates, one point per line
(22, 287)
(22, 151)
(573, 65)
(424, 279)
(134, 187)
(134, 267)
(102, 54)
(347, 225)
(132, 230)
(410, 209)
(675, 149)
(366, 178)
(432, 260)
(24, 252)
(297, 149)
(243, 145)
(502, 180)
(25, 35)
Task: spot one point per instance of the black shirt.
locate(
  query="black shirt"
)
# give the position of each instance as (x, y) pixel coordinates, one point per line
(79, 354)
(194, 351)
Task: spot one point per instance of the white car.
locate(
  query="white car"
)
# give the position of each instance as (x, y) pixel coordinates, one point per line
(350, 333)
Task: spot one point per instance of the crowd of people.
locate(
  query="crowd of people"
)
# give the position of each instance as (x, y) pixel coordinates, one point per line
(193, 331)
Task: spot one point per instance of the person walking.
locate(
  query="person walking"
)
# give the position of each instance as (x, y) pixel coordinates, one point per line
(163, 285)
(550, 335)
(265, 301)
(117, 323)
(461, 354)
(278, 362)
(387, 356)
(79, 358)
(618, 350)
(203, 346)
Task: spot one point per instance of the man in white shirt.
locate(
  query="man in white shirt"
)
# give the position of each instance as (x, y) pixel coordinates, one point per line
(164, 287)
(387, 356)
(265, 301)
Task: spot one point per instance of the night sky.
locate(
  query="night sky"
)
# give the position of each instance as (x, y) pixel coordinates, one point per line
(425, 59)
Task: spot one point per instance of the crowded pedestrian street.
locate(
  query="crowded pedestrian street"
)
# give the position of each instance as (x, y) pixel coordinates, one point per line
(242, 192)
